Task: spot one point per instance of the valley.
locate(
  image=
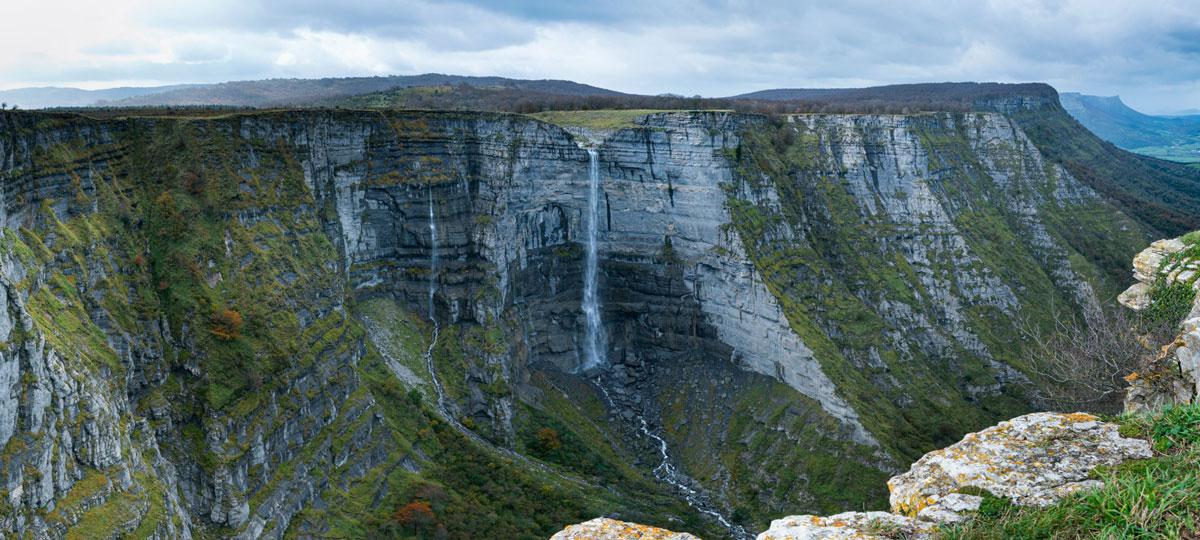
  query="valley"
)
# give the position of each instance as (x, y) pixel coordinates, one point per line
(367, 322)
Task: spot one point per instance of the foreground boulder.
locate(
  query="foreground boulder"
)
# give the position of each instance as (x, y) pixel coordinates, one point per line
(1032, 460)
(611, 529)
(848, 526)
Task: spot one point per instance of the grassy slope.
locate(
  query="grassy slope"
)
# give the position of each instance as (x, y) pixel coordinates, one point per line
(767, 449)
(1161, 194)
(599, 119)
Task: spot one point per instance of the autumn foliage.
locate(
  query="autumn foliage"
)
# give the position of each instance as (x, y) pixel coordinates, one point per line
(193, 183)
(548, 440)
(227, 324)
(416, 515)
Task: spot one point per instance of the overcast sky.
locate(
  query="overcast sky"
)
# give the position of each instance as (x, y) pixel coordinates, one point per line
(1148, 51)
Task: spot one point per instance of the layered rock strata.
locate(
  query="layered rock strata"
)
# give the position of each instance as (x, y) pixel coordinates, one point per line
(1172, 376)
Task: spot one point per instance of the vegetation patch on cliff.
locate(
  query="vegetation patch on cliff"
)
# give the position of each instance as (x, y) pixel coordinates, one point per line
(601, 119)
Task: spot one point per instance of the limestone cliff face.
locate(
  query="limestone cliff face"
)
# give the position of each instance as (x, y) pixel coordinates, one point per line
(70, 437)
(826, 289)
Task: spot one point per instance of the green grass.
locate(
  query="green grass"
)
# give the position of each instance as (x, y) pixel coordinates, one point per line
(1153, 498)
(1187, 152)
(601, 119)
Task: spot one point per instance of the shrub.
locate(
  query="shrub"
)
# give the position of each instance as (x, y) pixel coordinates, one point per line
(227, 324)
(416, 515)
(193, 183)
(547, 440)
(1170, 303)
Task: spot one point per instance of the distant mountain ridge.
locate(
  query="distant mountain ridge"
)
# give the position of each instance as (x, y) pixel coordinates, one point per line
(920, 96)
(54, 96)
(277, 92)
(1175, 138)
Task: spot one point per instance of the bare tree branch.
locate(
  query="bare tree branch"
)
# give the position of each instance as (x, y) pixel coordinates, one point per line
(1082, 365)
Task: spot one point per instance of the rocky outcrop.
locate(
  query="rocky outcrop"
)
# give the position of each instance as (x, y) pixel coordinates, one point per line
(611, 529)
(1172, 376)
(849, 526)
(1031, 460)
(1157, 262)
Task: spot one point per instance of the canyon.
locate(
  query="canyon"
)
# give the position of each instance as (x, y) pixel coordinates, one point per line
(302, 323)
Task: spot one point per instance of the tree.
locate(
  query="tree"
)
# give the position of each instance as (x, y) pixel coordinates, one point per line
(227, 324)
(547, 440)
(1083, 365)
(416, 516)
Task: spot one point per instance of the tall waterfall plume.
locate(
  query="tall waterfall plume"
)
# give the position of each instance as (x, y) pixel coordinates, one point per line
(594, 346)
(433, 255)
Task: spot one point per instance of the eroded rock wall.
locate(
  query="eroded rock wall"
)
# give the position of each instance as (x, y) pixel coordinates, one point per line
(126, 239)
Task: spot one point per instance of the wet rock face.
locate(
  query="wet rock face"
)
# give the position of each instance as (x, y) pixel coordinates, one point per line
(611, 529)
(1033, 460)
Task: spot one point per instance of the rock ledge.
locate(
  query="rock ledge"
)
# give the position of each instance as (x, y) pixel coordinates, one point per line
(611, 529)
(1033, 460)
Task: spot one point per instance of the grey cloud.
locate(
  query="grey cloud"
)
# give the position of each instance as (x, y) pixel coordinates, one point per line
(1149, 52)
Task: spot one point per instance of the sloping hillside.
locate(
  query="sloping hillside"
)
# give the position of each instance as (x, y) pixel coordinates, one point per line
(1175, 138)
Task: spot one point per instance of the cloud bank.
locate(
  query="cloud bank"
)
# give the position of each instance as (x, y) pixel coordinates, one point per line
(1148, 52)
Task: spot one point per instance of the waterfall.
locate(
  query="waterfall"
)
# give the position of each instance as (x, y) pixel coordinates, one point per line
(594, 346)
(433, 256)
(433, 318)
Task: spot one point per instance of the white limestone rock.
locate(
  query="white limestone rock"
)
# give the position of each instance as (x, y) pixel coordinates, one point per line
(611, 529)
(1033, 460)
(1151, 264)
(848, 526)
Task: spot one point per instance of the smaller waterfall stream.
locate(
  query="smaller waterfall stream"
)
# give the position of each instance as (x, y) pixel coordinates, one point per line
(433, 261)
(439, 390)
(666, 472)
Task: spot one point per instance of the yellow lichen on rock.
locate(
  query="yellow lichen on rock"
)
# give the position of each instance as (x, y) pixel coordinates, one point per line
(1034, 459)
(611, 529)
(848, 526)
